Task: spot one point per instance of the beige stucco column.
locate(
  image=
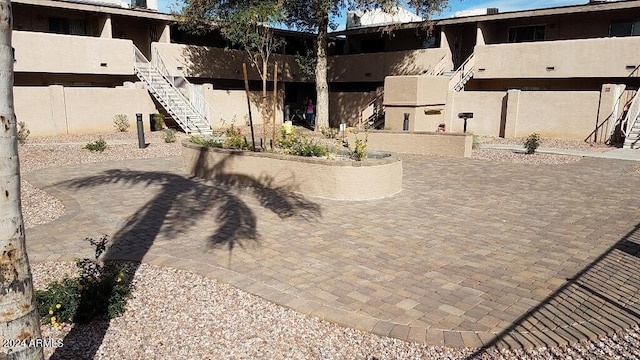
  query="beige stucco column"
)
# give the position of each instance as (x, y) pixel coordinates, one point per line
(480, 34)
(511, 123)
(165, 34)
(106, 31)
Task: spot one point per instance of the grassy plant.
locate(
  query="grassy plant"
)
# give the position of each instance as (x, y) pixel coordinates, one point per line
(23, 132)
(329, 132)
(299, 145)
(97, 146)
(476, 143)
(169, 135)
(532, 142)
(100, 291)
(121, 122)
(206, 141)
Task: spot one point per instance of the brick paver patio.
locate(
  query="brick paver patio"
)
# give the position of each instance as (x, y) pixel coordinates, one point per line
(470, 253)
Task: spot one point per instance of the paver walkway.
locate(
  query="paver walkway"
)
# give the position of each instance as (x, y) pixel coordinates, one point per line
(470, 253)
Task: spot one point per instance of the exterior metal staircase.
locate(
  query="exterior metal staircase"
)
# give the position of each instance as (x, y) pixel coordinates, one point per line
(189, 111)
(632, 132)
(462, 75)
(372, 116)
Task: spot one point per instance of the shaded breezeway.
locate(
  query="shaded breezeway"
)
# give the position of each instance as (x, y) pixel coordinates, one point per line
(470, 253)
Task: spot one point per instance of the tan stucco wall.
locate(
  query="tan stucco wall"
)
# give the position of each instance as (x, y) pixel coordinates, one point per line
(421, 118)
(55, 110)
(605, 57)
(346, 107)
(554, 114)
(339, 180)
(52, 53)
(450, 144)
(375, 66)
(487, 108)
(415, 90)
(230, 104)
(217, 63)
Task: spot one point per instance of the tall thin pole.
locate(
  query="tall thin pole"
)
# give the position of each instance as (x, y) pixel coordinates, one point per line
(246, 87)
(275, 102)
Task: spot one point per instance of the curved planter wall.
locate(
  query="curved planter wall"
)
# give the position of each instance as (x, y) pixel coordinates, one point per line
(338, 180)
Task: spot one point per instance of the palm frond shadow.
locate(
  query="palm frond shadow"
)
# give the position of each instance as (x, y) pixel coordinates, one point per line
(181, 203)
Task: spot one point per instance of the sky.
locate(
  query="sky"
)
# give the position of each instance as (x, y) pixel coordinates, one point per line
(458, 5)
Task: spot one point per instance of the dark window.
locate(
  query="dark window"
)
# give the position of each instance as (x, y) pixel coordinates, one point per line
(68, 26)
(526, 33)
(625, 27)
(372, 46)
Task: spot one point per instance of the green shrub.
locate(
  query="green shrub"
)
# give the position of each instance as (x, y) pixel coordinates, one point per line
(158, 122)
(121, 122)
(234, 138)
(359, 152)
(299, 145)
(532, 143)
(100, 291)
(97, 146)
(23, 132)
(169, 135)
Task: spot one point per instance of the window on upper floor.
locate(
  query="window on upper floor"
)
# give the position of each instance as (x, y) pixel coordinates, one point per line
(68, 26)
(372, 45)
(625, 27)
(526, 33)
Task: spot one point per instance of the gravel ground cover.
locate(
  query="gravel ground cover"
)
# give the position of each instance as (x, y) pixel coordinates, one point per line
(205, 319)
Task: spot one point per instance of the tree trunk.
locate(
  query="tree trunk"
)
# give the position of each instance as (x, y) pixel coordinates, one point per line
(322, 89)
(19, 319)
(265, 106)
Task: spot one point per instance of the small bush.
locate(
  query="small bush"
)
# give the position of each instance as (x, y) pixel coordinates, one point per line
(23, 132)
(299, 145)
(234, 138)
(532, 143)
(359, 152)
(97, 146)
(158, 122)
(100, 291)
(169, 135)
(329, 132)
(121, 122)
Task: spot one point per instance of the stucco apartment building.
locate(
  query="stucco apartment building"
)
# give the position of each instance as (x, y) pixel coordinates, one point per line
(568, 72)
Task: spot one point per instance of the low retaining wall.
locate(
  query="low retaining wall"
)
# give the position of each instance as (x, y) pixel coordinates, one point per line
(419, 142)
(338, 180)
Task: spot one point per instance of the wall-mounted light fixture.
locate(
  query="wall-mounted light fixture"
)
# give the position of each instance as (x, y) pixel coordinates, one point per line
(103, 64)
(551, 68)
(630, 67)
(179, 68)
(482, 69)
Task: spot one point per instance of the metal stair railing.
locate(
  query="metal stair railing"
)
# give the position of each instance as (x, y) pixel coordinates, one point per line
(462, 74)
(439, 68)
(632, 114)
(193, 96)
(371, 113)
(175, 108)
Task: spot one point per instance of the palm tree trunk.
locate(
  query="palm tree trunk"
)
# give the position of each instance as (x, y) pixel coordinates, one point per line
(19, 319)
(322, 89)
